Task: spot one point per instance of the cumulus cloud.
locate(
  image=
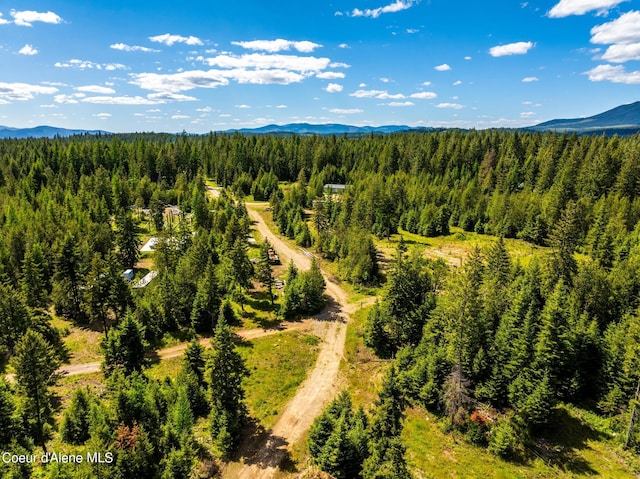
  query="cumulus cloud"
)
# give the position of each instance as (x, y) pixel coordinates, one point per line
(165, 97)
(103, 116)
(622, 53)
(530, 79)
(424, 95)
(330, 75)
(379, 94)
(394, 7)
(453, 106)
(119, 100)
(23, 91)
(346, 111)
(86, 64)
(442, 68)
(3, 21)
(625, 30)
(457, 82)
(279, 45)
(614, 74)
(282, 107)
(263, 61)
(243, 107)
(176, 82)
(334, 88)
(26, 18)
(28, 50)
(344, 45)
(400, 103)
(96, 89)
(169, 39)
(179, 117)
(132, 48)
(517, 48)
(565, 8)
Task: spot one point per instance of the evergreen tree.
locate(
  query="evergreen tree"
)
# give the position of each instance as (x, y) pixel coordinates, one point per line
(35, 364)
(226, 369)
(264, 274)
(74, 428)
(124, 347)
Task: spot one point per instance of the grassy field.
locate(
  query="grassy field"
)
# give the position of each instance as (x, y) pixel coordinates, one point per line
(277, 365)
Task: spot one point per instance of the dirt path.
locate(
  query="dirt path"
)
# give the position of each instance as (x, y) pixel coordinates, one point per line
(262, 460)
(179, 349)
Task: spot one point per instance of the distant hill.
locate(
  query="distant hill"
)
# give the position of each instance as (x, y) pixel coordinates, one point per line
(325, 129)
(623, 120)
(43, 132)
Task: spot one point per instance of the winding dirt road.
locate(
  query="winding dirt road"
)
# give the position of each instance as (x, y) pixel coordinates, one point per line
(261, 460)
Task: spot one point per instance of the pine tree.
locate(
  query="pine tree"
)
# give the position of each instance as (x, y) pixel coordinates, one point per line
(124, 347)
(74, 428)
(264, 274)
(226, 369)
(35, 364)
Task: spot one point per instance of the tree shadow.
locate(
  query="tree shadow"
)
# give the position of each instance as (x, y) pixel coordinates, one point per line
(559, 445)
(262, 449)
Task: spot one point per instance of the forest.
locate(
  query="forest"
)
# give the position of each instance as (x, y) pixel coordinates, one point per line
(494, 347)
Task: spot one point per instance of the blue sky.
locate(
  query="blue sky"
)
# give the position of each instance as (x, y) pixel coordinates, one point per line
(209, 65)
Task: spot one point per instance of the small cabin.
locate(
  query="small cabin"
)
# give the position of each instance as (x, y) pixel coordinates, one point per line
(334, 188)
(128, 274)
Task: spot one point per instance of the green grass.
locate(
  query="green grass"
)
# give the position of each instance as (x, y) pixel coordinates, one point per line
(573, 448)
(456, 246)
(277, 365)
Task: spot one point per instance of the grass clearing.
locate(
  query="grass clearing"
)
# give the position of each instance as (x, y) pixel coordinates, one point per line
(277, 365)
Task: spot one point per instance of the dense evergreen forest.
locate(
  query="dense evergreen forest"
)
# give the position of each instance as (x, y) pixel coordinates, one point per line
(492, 346)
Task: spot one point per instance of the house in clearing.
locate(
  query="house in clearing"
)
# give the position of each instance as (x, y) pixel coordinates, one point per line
(334, 188)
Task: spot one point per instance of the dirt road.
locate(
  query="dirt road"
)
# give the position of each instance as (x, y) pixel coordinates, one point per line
(262, 460)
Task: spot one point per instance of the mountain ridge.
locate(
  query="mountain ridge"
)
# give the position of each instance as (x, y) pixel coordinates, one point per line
(625, 118)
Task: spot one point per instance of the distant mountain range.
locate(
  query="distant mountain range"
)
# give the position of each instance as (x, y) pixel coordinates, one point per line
(43, 132)
(324, 129)
(623, 120)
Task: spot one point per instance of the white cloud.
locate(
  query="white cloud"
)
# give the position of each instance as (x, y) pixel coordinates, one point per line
(339, 65)
(625, 29)
(243, 107)
(467, 58)
(614, 74)
(334, 88)
(65, 99)
(96, 89)
(3, 21)
(457, 82)
(622, 53)
(27, 17)
(119, 100)
(103, 116)
(330, 75)
(443, 68)
(411, 31)
(344, 45)
(565, 8)
(527, 114)
(278, 45)
(423, 95)
(530, 79)
(394, 7)
(385, 80)
(132, 48)
(260, 60)
(86, 64)
(517, 48)
(166, 96)
(175, 82)
(346, 111)
(179, 117)
(454, 106)
(400, 103)
(426, 83)
(28, 50)
(206, 109)
(379, 94)
(23, 91)
(169, 39)
(281, 107)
